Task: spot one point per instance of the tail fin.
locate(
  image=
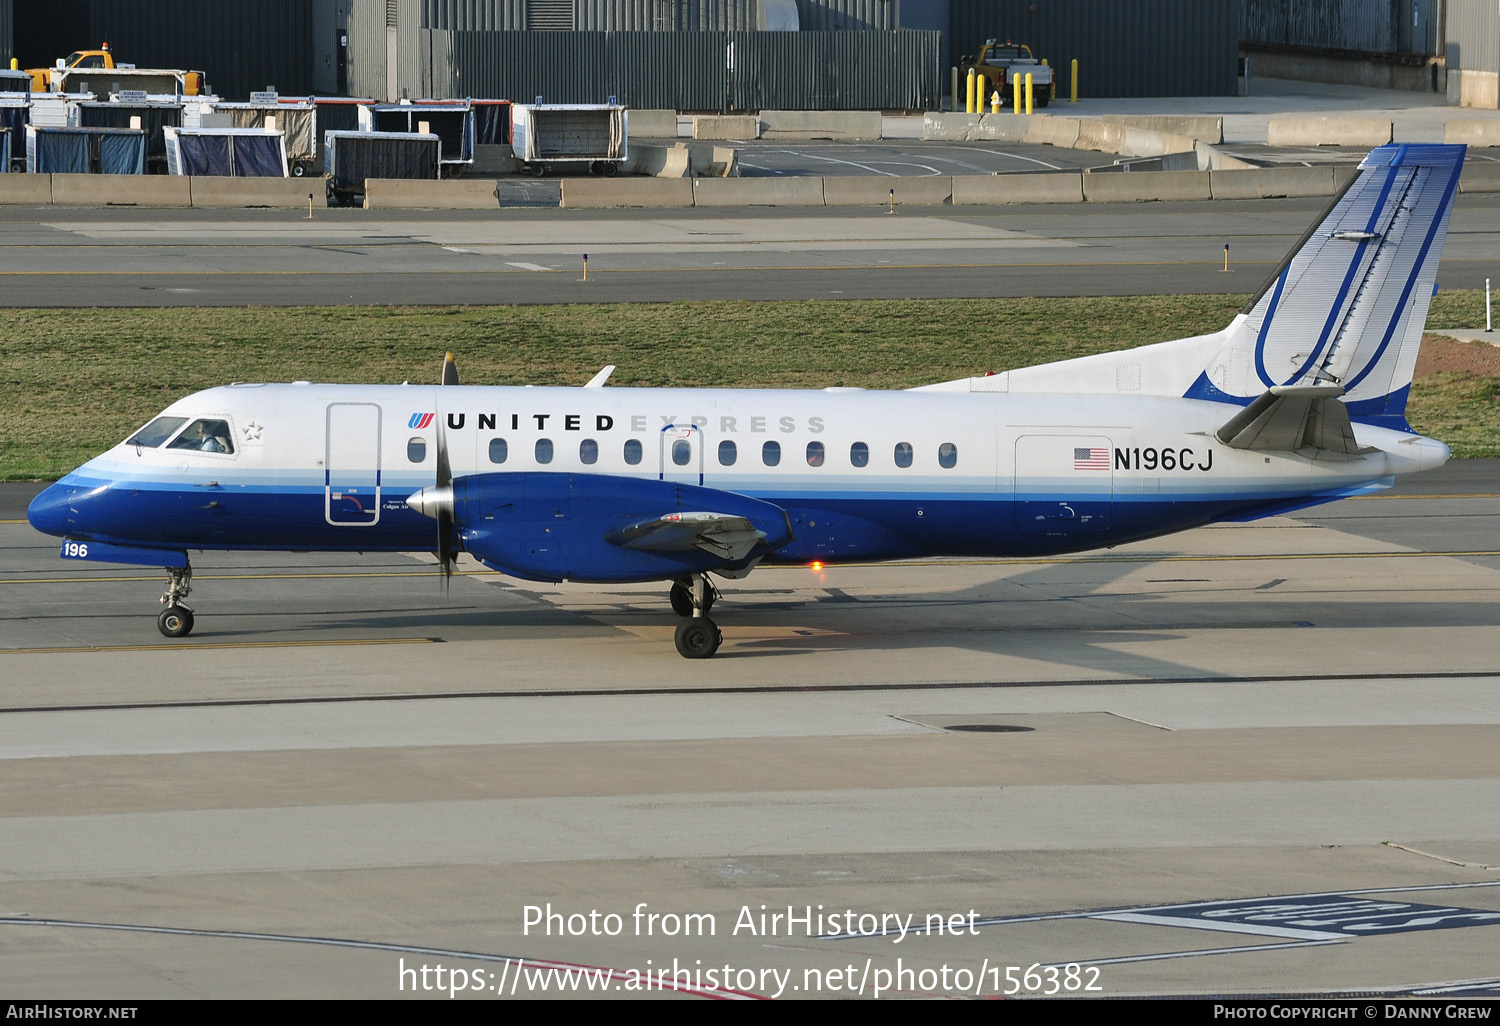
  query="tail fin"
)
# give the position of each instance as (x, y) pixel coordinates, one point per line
(1347, 307)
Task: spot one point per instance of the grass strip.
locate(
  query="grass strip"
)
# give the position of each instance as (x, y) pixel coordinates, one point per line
(79, 380)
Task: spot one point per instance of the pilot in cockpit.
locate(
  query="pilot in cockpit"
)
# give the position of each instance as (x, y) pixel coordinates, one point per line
(205, 436)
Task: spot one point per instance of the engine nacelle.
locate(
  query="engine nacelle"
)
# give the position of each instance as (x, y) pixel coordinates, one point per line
(555, 527)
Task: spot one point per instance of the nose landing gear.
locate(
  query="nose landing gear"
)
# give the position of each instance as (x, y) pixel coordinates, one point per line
(176, 620)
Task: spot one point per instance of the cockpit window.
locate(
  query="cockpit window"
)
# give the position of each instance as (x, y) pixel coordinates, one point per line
(156, 432)
(206, 435)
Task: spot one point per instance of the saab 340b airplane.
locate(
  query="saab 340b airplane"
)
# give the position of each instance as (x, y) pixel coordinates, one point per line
(1300, 400)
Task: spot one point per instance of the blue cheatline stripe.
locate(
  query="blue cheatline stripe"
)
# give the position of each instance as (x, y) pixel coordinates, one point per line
(1411, 280)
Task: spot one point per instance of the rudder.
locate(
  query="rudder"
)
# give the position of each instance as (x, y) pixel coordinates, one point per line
(1348, 305)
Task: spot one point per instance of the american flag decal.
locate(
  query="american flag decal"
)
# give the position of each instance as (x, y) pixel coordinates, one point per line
(1090, 459)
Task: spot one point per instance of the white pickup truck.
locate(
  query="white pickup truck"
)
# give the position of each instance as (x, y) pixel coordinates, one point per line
(998, 61)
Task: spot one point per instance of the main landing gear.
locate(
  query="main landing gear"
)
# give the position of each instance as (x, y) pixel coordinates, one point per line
(697, 637)
(176, 621)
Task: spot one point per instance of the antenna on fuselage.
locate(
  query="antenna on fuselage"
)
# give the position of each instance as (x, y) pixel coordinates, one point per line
(450, 376)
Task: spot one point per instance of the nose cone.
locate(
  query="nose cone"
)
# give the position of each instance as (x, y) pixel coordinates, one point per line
(55, 510)
(432, 502)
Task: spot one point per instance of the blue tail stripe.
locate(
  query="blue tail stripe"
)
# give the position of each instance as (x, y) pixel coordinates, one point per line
(1411, 280)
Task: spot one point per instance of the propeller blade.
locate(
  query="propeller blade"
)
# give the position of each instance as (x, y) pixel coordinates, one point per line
(444, 511)
(450, 371)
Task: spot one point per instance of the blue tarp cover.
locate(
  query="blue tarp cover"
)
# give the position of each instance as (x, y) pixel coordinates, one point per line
(81, 151)
(239, 156)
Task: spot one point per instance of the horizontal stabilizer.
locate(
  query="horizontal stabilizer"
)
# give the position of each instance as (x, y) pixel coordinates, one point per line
(1287, 418)
(720, 534)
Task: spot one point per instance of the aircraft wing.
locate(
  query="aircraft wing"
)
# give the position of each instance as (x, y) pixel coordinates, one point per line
(719, 534)
(602, 527)
(1286, 418)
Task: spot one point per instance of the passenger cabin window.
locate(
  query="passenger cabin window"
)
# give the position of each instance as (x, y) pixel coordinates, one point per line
(682, 452)
(544, 450)
(632, 451)
(156, 432)
(205, 436)
(903, 454)
(770, 453)
(815, 454)
(947, 455)
(498, 450)
(588, 452)
(416, 449)
(727, 453)
(859, 454)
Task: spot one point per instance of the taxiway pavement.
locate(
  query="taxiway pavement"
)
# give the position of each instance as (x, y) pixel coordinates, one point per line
(1251, 758)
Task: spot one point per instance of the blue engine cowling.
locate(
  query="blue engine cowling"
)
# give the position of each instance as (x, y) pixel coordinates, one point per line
(555, 527)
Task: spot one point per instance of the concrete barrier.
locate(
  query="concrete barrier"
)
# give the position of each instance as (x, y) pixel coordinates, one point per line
(1204, 128)
(206, 191)
(653, 124)
(408, 194)
(1472, 131)
(949, 127)
(860, 125)
(758, 192)
(1343, 174)
(678, 163)
(657, 160)
(726, 126)
(1210, 158)
(984, 190)
(709, 161)
(863, 191)
(594, 193)
(1050, 130)
(1272, 182)
(1339, 130)
(1146, 185)
(121, 190)
(27, 190)
(1096, 135)
(1480, 178)
(1002, 128)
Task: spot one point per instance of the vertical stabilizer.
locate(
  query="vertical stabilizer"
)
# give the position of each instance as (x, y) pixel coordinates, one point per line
(1347, 307)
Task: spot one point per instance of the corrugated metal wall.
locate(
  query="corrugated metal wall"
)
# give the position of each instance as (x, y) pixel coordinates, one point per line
(242, 45)
(1371, 26)
(659, 15)
(692, 70)
(846, 15)
(1123, 47)
(7, 31)
(1473, 36)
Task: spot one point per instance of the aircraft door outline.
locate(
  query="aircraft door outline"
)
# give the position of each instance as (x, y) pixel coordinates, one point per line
(676, 463)
(351, 465)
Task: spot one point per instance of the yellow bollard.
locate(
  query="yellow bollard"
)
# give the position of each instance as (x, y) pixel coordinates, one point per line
(1028, 92)
(1015, 94)
(15, 64)
(969, 94)
(995, 102)
(1074, 98)
(309, 206)
(893, 202)
(585, 267)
